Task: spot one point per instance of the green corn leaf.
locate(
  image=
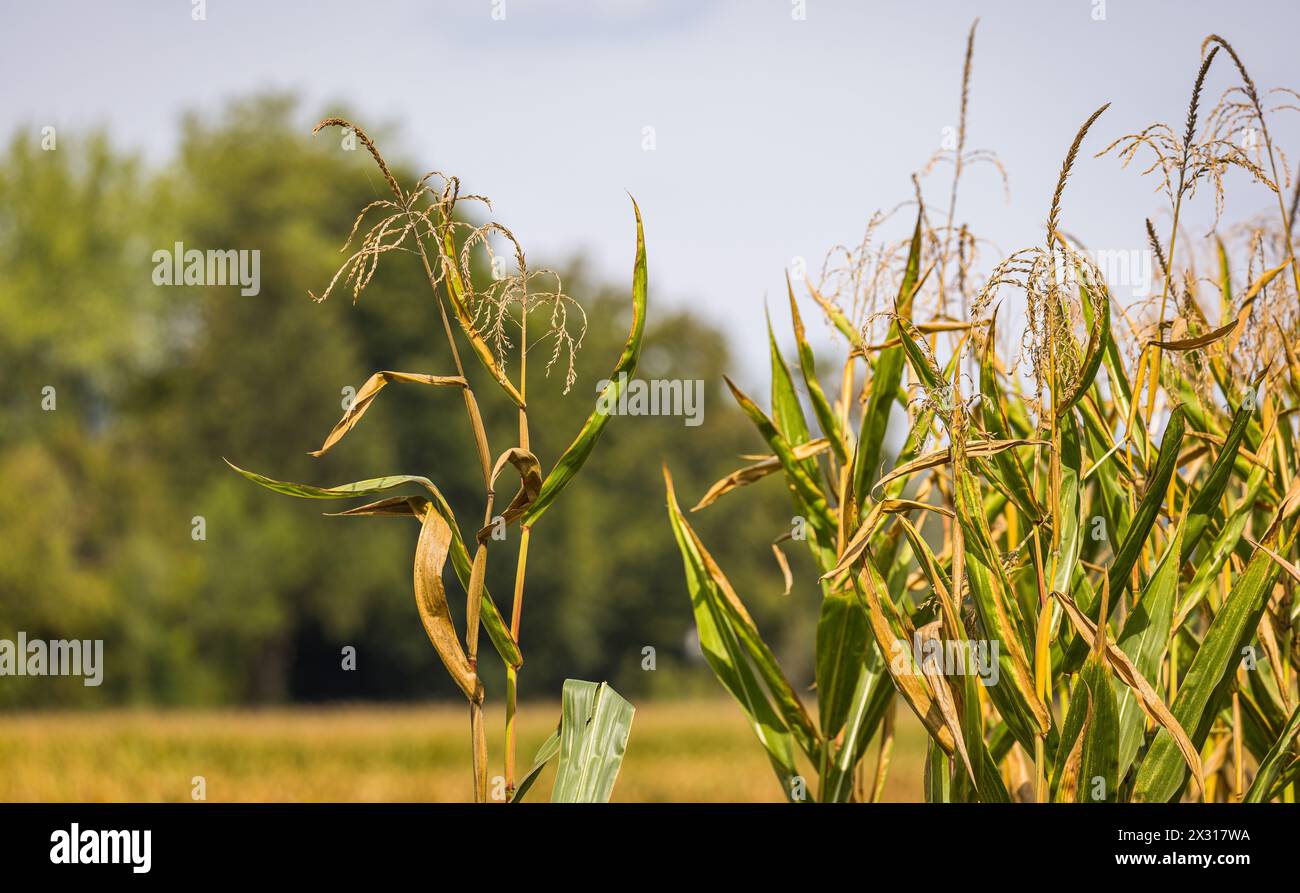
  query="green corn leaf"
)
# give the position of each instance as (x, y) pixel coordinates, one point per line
(1100, 782)
(885, 378)
(1144, 639)
(1281, 753)
(808, 495)
(1071, 508)
(1086, 760)
(578, 451)
(927, 372)
(733, 613)
(342, 491)
(550, 747)
(938, 774)
(1225, 280)
(1068, 765)
(1139, 528)
(787, 412)
(1015, 686)
(988, 782)
(595, 722)
(1098, 311)
(826, 417)
(1162, 772)
(871, 698)
(1148, 509)
(721, 643)
(1211, 492)
(842, 643)
(1105, 468)
(998, 612)
(1221, 548)
(993, 408)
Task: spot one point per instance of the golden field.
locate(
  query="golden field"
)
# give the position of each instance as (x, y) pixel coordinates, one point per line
(692, 752)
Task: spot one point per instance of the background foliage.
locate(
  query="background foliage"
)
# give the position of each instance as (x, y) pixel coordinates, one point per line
(155, 384)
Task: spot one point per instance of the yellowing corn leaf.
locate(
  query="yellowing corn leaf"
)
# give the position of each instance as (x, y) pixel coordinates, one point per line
(431, 600)
(1147, 697)
(370, 390)
(750, 473)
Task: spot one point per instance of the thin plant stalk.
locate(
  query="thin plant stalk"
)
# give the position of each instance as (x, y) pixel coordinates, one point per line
(521, 566)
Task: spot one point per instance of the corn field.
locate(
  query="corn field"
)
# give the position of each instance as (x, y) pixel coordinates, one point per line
(1076, 565)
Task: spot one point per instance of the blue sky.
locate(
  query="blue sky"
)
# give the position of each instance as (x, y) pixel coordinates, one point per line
(774, 138)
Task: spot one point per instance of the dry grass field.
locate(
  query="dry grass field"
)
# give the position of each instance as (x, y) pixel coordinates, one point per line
(682, 752)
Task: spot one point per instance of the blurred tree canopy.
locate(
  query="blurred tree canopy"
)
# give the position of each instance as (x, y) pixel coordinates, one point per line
(121, 397)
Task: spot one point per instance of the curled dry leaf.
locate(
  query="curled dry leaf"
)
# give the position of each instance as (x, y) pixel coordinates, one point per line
(765, 466)
(530, 484)
(931, 644)
(786, 576)
(416, 506)
(908, 680)
(370, 390)
(1200, 340)
(902, 506)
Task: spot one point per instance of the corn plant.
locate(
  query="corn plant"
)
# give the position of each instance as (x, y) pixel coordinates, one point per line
(493, 319)
(1078, 571)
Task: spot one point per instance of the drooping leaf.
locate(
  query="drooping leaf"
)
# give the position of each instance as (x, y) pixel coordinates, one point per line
(417, 507)
(975, 449)
(804, 487)
(756, 472)
(431, 600)
(342, 491)
(370, 390)
(1199, 341)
